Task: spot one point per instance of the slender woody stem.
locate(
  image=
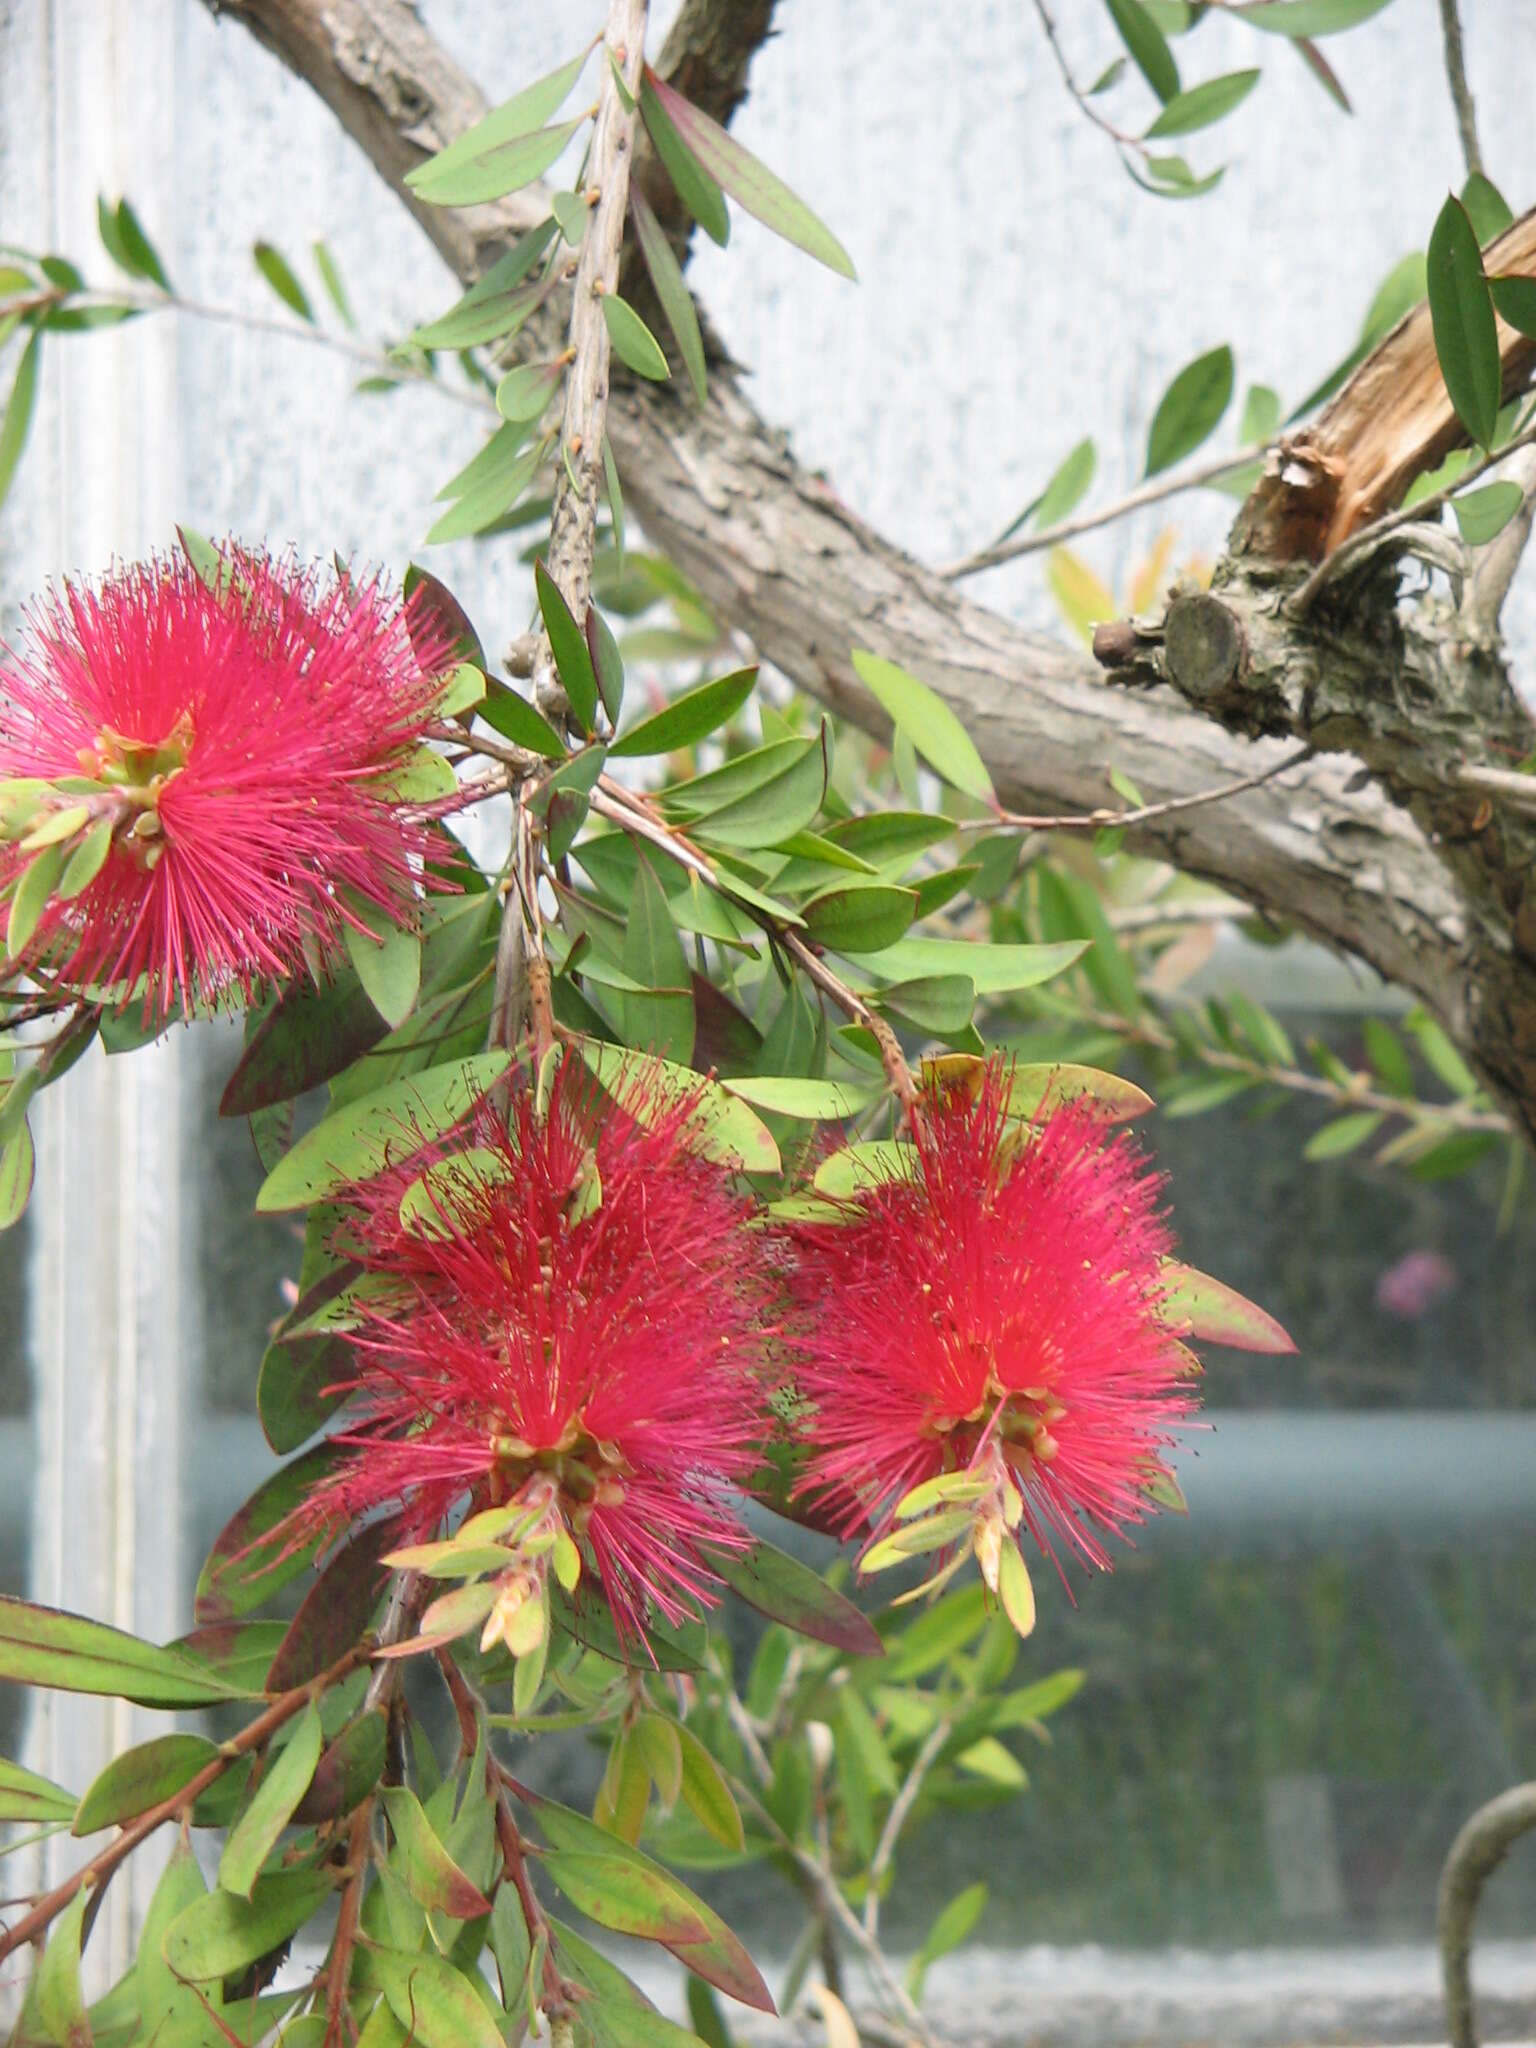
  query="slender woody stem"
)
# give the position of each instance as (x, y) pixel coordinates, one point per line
(101, 1868)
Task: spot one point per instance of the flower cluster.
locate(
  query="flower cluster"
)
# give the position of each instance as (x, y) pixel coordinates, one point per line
(223, 754)
(567, 1321)
(1000, 1314)
(571, 1328)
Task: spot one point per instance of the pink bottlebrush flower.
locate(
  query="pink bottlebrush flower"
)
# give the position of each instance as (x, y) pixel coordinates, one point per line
(575, 1303)
(1000, 1312)
(243, 741)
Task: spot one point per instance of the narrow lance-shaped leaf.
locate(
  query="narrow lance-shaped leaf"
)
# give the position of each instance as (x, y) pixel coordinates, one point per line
(928, 722)
(1190, 410)
(1204, 104)
(1147, 45)
(750, 183)
(520, 115)
(671, 289)
(1461, 313)
(21, 404)
(255, 1834)
(692, 183)
(688, 718)
(274, 267)
(569, 647)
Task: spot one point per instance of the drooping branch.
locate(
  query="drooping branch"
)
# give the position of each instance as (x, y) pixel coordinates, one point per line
(1461, 91)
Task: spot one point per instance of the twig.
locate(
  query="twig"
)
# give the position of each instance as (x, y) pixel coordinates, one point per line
(622, 807)
(1461, 92)
(1150, 493)
(579, 473)
(1455, 1115)
(376, 360)
(557, 1998)
(1369, 538)
(896, 1819)
(1101, 820)
(1099, 120)
(338, 1970)
(251, 1737)
(1516, 789)
(1475, 1855)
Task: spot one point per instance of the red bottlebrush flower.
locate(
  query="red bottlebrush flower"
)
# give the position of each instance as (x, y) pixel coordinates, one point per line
(241, 740)
(999, 1313)
(570, 1312)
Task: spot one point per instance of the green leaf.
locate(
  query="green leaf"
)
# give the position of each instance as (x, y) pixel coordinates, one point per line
(633, 342)
(812, 1101)
(720, 1959)
(774, 809)
(33, 893)
(519, 116)
(1204, 104)
(1487, 208)
(750, 183)
(1387, 1055)
(995, 969)
(722, 1129)
(143, 260)
(1308, 17)
(1513, 297)
(1461, 312)
(671, 291)
(221, 1934)
(691, 182)
(607, 662)
(1343, 1135)
(706, 1793)
(87, 860)
(1211, 1310)
(940, 1004)
(525, 392)
(330, 276)
(1068, 486)
(388, 964)
(1261, 415)
(518, 721)
(1148, 48)
(47, 1646)
(1482, 514)
(141, 1777)
(790, 1592)
(56, 1990)
(286, 1780)
(387, 1125)
(990, 1759)
(625, 1897)
(662, 1020)
(569, 645)
(26, 1796)
(935, 731)
(169, 2011)
(438, 2005)
(17, 1166)
(493, 497)
(1190, 410)
(859, 917)
(431, 1875)
(1439, 1055)
(493, 171)
(954, 1925)
(1036, 1089)
(273, 266)
(19, 408)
